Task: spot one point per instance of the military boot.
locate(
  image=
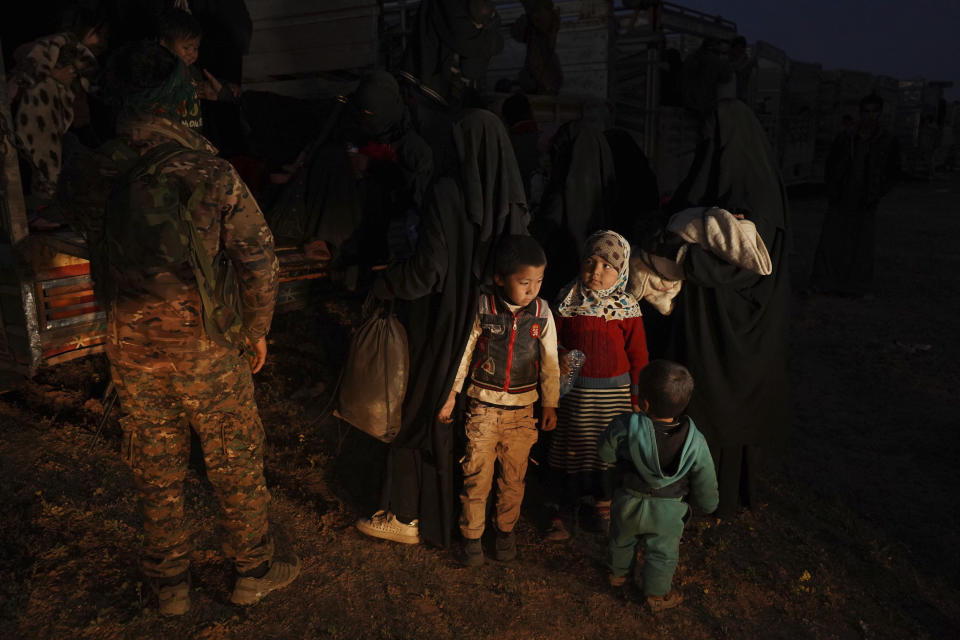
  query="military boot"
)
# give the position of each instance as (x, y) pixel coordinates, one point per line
(173, 595)
(250, 590)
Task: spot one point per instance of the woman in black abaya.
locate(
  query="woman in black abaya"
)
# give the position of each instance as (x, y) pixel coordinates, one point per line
(731, 324)
(465, 215)
(636, 213)
(444, 60)
(579, 200)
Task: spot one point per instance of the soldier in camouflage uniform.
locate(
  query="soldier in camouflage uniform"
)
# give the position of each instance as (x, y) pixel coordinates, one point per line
(170, 375)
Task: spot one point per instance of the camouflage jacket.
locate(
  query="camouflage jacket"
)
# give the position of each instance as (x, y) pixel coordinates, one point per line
(164, 316)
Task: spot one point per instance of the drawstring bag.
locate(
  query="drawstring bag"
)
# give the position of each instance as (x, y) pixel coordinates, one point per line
(375, 376)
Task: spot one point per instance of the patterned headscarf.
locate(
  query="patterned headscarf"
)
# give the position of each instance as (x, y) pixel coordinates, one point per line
(576, 299)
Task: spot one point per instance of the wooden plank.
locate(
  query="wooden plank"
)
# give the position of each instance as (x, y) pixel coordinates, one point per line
(74, 311)
(64, 271)
(67, 354)
(64, 302)
(56, 292)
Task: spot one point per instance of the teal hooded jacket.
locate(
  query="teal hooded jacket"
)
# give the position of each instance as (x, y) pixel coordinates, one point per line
(630, 436)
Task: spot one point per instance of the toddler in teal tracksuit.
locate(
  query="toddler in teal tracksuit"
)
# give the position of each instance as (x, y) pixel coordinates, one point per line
(661, 459)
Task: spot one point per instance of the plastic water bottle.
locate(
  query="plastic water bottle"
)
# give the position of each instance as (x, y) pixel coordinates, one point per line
(575, 359)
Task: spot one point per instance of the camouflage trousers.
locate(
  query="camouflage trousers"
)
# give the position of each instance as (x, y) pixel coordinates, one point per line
(210, 390)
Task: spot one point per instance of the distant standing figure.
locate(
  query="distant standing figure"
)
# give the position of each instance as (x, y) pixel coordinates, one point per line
(538, 29)
(862, 166)
(706, 74)
(742, 66)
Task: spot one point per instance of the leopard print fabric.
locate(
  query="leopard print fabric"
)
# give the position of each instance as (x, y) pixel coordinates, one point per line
(44, 107)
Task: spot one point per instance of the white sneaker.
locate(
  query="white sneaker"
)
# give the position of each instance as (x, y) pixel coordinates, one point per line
(384, 524)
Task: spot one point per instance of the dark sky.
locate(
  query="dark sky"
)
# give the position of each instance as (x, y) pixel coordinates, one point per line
(920, 38)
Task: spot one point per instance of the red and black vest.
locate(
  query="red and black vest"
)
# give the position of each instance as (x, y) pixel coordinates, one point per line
(507, 355)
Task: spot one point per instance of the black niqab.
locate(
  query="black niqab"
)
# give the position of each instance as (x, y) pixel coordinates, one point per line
(578, 201)
(376, 106)
(732, 324)
(637, 200)
(494, 198)
(323, 200)
(446, 36)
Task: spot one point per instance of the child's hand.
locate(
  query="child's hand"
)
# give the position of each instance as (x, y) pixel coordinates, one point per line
(637, 408)
(548, 419)
(564, 363)
(446, 411)
(64, 75)
(210, 87)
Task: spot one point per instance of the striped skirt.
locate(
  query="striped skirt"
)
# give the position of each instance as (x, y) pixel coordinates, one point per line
(582, 417)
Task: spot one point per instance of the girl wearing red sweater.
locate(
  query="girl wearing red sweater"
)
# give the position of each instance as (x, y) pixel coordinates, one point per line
(596, 315)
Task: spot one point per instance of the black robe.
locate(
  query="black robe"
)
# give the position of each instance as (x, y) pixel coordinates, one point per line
(447, 52)
(858, 173)
(636, 211)
(464, 217)
(579, 200)
(731, 326)
(325, 200)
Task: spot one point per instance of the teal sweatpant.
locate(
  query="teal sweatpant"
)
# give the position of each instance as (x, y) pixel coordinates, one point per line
(658, 523)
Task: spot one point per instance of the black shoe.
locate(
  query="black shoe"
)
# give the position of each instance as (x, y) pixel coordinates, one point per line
(506, 546)
(472, 552)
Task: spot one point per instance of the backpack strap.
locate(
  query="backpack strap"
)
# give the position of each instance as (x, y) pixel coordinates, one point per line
(203, 267)
(214, 306)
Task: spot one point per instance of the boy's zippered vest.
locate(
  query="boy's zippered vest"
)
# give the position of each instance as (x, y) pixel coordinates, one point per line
(507, 356)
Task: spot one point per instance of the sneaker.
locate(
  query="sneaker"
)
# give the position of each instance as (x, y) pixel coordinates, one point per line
(174, 599)
(668, 601)
(558, 531)
(250, 590)
(385, 525)
(471, 553)
(506, 549)
(617, 581)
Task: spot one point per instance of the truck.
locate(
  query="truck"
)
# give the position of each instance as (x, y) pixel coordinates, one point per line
(613, 58)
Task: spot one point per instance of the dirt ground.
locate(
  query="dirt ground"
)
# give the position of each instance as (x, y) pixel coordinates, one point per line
(856, 537)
